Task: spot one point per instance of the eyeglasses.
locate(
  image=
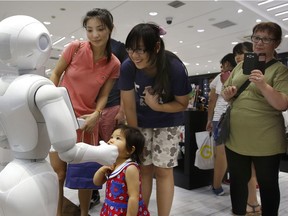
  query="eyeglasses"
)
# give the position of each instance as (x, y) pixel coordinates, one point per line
(264, 40)
(138, 51)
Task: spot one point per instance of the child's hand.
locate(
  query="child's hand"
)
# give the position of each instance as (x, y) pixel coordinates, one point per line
(107, 170)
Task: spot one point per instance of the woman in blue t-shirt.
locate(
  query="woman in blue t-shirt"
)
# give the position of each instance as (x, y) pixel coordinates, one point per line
(154, 88)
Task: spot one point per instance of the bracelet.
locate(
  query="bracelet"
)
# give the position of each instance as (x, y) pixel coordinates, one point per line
(99, 111)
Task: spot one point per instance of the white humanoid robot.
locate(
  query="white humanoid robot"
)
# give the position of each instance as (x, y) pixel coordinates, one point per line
(35, 114)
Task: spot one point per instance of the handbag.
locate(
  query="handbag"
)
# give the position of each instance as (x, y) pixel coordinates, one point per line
(204, 157)
(80, 175)
(222, 131)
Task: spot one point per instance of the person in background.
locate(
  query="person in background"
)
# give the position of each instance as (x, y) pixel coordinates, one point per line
(113, 112)
(154, 88)
(123, 180)
(253, 205)
(90, 72)
(257, 130)
(216, 106)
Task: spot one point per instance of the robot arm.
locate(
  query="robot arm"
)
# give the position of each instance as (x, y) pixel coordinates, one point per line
(62, 132)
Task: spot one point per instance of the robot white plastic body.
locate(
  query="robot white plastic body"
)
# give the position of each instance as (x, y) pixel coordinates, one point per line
(33, 115)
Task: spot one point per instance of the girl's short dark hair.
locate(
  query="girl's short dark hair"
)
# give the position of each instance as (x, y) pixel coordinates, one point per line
(242, 48)
(135, 138)
(229, 58)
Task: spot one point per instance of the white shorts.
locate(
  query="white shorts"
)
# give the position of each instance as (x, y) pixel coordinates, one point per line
(161, 146)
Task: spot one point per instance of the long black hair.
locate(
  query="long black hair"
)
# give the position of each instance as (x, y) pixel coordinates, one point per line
(149, 34)
(107, 19)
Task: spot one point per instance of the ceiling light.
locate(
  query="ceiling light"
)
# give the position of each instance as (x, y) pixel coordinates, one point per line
(258, 20)
(239, 11)
(234, 42)
(278, 6)
(47, 23)
(67, 44)
(285, 19)
(281, 13)
(181, 41)
(286, 36)
(200, 30)
(265, 2)
(153, 13)
(198, 46)
(72, 36)
(63, 38)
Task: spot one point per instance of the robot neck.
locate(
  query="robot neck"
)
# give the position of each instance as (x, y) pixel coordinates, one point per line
(40, 71)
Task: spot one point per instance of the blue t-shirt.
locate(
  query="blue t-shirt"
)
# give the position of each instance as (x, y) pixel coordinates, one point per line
(133, 78)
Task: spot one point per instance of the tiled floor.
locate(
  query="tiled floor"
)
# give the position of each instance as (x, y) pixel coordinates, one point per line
(197, 202)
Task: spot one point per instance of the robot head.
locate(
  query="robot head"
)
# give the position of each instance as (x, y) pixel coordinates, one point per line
(25, 43)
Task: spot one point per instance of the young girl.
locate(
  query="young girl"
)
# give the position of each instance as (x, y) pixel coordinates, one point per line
(155, 90)
(123, 187)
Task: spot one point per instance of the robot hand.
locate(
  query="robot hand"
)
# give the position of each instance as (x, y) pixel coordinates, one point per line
(104, 154)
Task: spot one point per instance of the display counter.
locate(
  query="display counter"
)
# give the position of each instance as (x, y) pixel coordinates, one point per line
(186, 175)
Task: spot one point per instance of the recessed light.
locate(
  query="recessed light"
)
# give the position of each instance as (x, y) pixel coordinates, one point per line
(180, 41)
(67, 44)
(63, 38)
(281, 13)
(47, 23)
(276, 7)
(258, 20)
(265, 2)
(239, 11)
(234, 42)
(153, 13)
(200, 30)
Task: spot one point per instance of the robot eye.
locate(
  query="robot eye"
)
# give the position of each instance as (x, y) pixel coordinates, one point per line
(44, 41)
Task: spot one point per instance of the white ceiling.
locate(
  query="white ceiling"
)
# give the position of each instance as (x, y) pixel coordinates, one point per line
(214, 42)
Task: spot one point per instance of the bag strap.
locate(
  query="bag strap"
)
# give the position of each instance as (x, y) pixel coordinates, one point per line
(75, 51)
(247, 82)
